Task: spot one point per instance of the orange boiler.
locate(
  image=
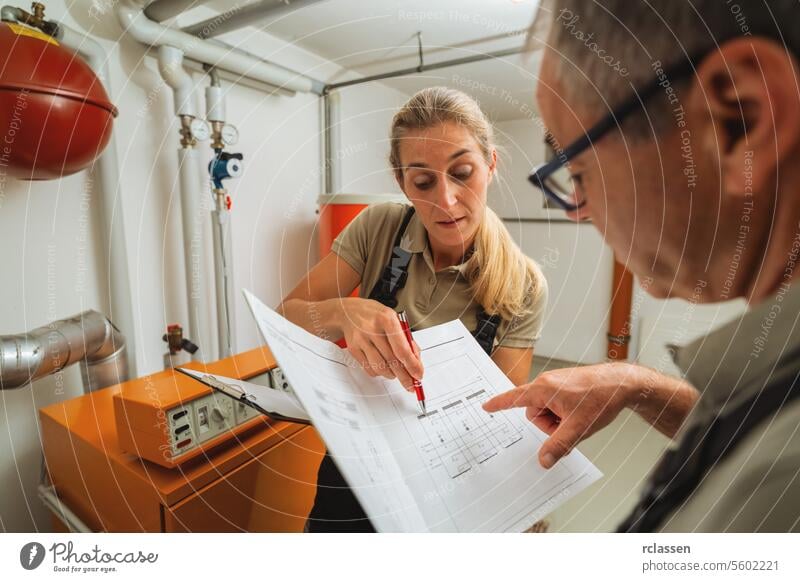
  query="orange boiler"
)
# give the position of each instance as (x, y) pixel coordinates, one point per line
(260, 476)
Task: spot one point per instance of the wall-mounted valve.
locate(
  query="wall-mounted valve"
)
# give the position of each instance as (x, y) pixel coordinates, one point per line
(178, 345)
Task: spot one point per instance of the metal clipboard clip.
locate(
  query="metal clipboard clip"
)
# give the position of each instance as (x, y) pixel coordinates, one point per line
(233, 390)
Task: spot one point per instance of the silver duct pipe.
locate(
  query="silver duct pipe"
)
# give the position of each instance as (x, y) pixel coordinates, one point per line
(88, 338)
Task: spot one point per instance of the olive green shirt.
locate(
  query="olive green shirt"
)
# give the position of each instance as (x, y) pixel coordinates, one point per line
(756, 486)
(429, 297)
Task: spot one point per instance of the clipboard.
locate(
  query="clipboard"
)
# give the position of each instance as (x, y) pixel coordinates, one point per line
(268, 401)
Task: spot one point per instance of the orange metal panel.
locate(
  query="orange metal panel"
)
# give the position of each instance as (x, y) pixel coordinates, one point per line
(273, 492)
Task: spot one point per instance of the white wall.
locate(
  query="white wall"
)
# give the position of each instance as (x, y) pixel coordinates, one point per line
(49, 230)
(572, 256)
(366, 117)
(656, 323)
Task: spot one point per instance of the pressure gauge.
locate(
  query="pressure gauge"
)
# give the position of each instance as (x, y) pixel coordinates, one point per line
(201, 130)
(230, 135)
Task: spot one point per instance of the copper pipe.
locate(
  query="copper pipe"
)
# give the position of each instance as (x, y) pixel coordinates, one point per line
(619, 325)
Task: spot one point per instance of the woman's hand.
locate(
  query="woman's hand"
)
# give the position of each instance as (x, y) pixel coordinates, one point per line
(375, 339)
(319, 304)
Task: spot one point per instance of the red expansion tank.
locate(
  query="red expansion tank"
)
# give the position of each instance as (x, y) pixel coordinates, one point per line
(55, 115)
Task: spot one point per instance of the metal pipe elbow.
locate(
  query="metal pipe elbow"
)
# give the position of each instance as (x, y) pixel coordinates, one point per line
(89, 338)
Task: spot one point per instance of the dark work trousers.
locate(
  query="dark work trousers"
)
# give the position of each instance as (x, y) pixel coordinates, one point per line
(336, 509)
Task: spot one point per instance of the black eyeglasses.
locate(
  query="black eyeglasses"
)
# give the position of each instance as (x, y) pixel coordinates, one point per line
(553, 177)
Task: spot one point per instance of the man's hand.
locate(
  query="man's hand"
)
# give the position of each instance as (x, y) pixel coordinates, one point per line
(574, 403)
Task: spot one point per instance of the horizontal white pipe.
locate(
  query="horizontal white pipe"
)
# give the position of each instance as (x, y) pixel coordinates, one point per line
(239, 80)
(162, 10)
(241, 16)
(151, 33)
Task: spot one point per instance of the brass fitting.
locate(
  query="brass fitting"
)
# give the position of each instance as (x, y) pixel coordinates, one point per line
(216, 135)
(187, 139)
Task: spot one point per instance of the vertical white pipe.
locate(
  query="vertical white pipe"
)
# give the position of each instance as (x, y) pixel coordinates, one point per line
(215, 104)
(221, 224)
(120, 309)
(194, 215)
(223, 276)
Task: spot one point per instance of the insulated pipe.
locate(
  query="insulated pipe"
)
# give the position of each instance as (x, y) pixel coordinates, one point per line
(239, 17)
(221, 230)
(239, 80)
(162, 10)
(215, 103)
(88, 338)
(11, 14)
(170, 65)
(151, 33)
(108, 174)
(193, 217)
(223, 277)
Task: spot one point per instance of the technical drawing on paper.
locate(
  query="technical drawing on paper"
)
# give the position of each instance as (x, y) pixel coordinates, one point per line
(459, 434)
(340, 410)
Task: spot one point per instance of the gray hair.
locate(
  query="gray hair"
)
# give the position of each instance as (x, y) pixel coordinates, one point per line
(607, 49)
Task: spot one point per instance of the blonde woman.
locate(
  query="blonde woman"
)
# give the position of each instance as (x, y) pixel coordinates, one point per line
(444, 256)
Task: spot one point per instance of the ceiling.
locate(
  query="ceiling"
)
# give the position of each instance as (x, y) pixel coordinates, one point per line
(378, 36)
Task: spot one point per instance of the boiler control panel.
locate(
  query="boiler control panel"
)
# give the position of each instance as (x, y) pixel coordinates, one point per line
(171, 418)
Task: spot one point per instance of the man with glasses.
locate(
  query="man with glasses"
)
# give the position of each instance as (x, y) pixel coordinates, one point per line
(677, 131)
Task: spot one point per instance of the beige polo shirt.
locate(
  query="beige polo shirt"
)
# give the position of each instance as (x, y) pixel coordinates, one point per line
(429, 297)
(756, 486)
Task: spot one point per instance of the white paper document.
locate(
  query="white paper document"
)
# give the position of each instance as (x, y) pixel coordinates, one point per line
(457, 469)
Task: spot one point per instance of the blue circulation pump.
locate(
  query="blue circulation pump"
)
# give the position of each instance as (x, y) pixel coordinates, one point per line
(223, 166)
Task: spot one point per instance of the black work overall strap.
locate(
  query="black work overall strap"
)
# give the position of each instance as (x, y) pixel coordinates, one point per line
(394, 276)
(680, 471)
(395, 273)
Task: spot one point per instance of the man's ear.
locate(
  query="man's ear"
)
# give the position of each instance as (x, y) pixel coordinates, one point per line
(747, 97)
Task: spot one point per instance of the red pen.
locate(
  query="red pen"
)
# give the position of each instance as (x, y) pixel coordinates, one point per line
(417, 384)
